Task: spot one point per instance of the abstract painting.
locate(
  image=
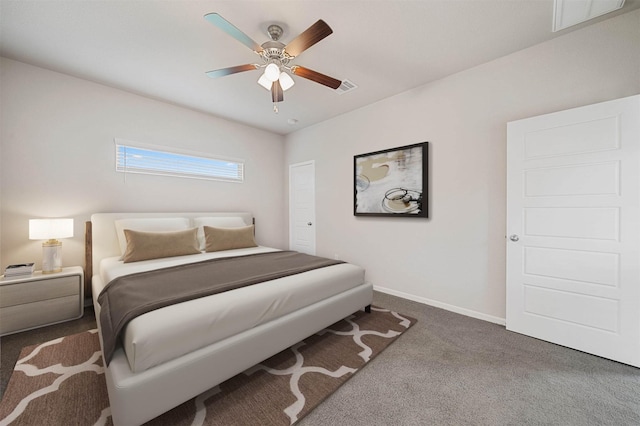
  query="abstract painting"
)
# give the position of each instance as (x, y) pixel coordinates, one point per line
(391, 182)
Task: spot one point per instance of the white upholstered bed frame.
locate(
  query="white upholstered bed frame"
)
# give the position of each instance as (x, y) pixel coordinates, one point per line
(139, 397)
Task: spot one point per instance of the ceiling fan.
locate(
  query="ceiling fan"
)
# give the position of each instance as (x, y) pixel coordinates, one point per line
(276, 57)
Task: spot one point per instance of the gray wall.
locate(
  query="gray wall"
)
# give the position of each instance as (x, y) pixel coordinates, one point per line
(456, 258)
(58, 154)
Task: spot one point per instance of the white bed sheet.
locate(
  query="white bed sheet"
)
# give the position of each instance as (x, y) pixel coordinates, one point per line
(164, 334)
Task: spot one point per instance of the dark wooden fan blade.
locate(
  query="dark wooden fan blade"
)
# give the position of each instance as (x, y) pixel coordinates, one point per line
(316, 76)
(308, 38)
(231, 70)
(277, 95)
(234, 32)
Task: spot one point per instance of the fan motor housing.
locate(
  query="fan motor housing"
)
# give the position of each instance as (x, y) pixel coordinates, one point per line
(274, 51)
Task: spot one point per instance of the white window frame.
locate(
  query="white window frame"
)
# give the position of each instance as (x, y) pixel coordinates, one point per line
(174, 162)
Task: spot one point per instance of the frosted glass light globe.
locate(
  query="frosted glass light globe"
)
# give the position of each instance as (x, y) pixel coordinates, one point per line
(286, 81)
(272, 72)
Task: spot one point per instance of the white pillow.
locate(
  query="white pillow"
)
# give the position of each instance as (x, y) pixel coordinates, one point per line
(216, 222)
(155, 224)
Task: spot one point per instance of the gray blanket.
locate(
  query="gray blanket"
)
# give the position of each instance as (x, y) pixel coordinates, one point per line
(129, 296)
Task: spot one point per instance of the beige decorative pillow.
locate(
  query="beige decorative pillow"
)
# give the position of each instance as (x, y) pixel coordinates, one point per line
(216, 222)
(218, 239)
(154, 245)
(149, 224)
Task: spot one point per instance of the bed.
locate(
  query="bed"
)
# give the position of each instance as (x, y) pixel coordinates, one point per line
(171, 354)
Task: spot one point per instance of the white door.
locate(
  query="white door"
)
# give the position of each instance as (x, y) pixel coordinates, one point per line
(573, 228)
(302, 207)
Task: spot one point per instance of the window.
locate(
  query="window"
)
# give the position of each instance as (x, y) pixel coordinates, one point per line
(149, 160)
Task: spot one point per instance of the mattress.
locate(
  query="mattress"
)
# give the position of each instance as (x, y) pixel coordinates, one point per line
(164, 334)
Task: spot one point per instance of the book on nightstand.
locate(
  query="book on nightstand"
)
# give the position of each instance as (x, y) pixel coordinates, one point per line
(19, 269)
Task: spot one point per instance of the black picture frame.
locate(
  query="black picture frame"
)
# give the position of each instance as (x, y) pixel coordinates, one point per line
(391, 182)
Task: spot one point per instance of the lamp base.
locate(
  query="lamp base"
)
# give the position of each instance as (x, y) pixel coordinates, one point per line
(51, 257)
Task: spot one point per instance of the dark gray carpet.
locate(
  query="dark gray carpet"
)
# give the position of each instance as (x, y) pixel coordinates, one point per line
(449, 369)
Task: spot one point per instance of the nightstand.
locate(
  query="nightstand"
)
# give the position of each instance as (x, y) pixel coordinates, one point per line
(39, 299)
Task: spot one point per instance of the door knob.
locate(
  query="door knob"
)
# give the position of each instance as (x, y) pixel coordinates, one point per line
(514, 237)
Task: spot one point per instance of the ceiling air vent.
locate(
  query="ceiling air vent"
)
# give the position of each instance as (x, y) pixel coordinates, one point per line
(346, 86)
(567, 13)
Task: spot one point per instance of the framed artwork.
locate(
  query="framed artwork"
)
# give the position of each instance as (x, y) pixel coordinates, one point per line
(392, 182)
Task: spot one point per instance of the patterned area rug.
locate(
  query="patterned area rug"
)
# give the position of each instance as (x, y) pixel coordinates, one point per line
(61, 382)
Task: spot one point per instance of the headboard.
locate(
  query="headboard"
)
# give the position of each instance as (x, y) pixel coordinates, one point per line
(102, 238)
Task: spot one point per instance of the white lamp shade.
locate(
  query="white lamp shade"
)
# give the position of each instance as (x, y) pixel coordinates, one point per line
(50, 229)
(286, 81)
(265, 82)
(272, 72)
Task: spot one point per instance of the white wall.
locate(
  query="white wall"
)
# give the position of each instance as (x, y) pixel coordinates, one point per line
(58, 153)
(456, 258)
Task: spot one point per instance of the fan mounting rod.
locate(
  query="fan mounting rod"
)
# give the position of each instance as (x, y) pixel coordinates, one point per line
(275, 32)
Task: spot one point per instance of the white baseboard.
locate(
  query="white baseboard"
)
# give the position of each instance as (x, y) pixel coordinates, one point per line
(446, 306)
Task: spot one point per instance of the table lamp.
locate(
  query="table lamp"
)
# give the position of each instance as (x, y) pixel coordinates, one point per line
(51, 230)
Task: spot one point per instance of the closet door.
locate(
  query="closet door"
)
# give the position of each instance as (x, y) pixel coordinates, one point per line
(573, 228)
(302, 207)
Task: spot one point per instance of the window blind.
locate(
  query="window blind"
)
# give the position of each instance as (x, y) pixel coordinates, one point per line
(147, 160)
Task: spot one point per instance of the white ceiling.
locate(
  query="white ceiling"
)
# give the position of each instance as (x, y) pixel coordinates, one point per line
(161, 49)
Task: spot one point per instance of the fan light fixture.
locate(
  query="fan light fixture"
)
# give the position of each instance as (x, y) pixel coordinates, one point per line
(272, 72)
(265, 82)
(276, 57)
(286, 81)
